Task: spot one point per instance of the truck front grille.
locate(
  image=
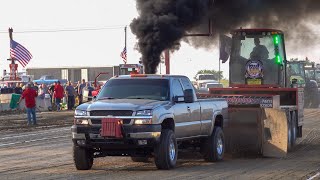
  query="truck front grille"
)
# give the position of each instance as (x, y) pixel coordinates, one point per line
(98, 121)
(110, 113)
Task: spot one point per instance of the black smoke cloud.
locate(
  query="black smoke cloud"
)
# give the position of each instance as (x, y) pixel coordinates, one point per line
(163, 23)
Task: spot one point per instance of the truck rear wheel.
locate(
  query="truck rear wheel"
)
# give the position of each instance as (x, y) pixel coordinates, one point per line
(214, 147)
(166, 151)
(82, 158)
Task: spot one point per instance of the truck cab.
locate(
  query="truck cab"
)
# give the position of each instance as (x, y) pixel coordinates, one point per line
(127, 69)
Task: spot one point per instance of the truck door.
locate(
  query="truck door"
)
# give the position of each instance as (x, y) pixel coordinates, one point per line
(194, 109)
(184, 126)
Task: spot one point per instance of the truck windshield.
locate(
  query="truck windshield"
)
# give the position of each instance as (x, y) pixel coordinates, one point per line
(155, 89)
(207, 77)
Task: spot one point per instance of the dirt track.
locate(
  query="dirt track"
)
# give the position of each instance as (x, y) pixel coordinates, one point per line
(45, 153)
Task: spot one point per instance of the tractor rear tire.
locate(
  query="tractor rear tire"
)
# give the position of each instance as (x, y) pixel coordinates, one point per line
(289, 120)
(294, 126)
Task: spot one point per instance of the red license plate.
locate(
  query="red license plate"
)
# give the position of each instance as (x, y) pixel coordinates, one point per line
(111, 127)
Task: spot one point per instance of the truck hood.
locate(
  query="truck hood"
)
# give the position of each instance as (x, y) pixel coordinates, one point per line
(122, 104)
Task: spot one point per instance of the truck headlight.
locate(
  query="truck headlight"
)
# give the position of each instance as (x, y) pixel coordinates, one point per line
(78, 112)
(143, 121)
(144, 113)
(82, 121)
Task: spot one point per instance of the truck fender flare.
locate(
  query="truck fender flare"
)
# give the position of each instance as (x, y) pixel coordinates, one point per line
(165, 116)
(215, 114)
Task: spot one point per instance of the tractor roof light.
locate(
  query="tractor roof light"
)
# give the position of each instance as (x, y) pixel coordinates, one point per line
(276, 39)
(279, 59)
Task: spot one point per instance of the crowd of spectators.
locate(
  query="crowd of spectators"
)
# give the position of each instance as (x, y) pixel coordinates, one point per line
(69, 93)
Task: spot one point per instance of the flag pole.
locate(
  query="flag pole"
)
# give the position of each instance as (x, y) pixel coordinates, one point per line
(13, 66)
(125, 41)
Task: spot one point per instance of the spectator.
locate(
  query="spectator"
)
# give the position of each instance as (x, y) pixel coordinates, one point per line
(51, 92)
(58, 94)
(77, 86)
(80, 88)
(70, 92)
(35, 86)
(18, 88)
(29, 95)
(45, 88)
(90, 88)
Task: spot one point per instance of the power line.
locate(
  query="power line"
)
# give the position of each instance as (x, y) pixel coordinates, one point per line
(67, 30)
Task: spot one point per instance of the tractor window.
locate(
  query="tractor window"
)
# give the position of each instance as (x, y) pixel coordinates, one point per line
(310, 74)
(295, 69)
(318, 75)
(256, 57)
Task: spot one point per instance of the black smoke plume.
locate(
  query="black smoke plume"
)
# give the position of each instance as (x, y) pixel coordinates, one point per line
(163, 23)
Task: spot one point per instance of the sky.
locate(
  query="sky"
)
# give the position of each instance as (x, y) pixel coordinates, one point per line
(86, 48)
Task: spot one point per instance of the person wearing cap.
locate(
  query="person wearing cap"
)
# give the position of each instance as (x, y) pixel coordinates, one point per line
(30, 101)
(58, 94)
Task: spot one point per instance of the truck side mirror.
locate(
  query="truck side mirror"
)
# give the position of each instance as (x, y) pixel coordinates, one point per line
(188, 96)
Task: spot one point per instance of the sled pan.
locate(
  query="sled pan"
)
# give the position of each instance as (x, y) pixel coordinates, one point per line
(255, 130)
(275, 133)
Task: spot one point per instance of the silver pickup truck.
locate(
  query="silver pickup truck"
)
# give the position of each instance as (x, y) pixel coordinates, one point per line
(145, 116)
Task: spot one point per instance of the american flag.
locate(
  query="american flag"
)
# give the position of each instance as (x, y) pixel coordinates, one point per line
(20, 53)
(124, 55)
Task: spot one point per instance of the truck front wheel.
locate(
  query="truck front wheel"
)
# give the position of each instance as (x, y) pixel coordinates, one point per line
(214, 146)
(166, 151)
(82, 158)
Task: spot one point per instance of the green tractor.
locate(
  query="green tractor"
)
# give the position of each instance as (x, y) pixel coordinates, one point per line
(304, 72)
(311, 89)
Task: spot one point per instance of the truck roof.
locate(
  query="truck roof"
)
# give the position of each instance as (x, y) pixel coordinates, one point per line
(149, 76)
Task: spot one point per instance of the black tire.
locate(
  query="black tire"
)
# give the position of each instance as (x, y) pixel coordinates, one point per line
(289, 143)
(83, 159)
(140, 159)
(214, 146)
(294, 127)
(166, 151)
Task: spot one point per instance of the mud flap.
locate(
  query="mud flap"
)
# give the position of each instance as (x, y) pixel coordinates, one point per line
(275, 133)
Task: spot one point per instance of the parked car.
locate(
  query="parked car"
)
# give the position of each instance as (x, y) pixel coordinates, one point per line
(48, 79)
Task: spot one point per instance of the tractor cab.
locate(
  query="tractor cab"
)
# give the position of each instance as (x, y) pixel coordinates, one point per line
(257, 58)
(296, 71)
